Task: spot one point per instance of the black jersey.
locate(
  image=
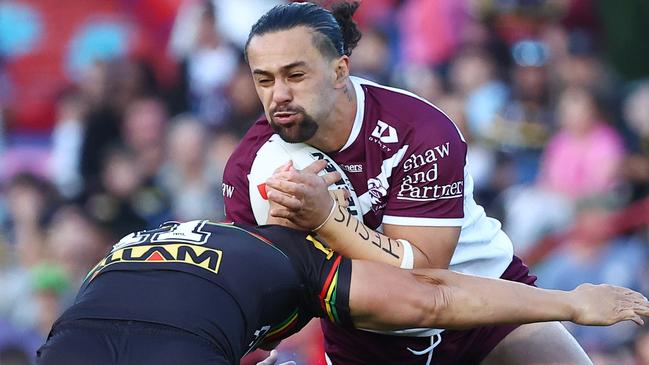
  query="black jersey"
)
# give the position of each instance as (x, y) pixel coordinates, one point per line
(239, 287)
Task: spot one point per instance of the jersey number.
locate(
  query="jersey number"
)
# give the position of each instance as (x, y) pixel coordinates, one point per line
(188, 232)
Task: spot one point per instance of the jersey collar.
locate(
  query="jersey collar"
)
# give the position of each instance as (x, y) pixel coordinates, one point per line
(360, 111)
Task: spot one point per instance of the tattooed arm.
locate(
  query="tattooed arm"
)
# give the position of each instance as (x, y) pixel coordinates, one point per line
(352, 238)
(339, 229)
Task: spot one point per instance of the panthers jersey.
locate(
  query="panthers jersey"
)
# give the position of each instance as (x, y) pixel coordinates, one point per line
(237, 286)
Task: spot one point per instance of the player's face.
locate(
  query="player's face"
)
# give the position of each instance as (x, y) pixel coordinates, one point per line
(294, 81)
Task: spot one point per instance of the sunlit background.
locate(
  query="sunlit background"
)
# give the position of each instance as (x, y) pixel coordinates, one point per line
(116, 115)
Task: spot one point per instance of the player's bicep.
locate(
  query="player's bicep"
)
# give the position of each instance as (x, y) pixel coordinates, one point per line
(383, 297)
(426, 201)
(436, 244)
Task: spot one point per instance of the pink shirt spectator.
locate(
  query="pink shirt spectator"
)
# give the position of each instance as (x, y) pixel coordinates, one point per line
(579, 166)
(431, 30)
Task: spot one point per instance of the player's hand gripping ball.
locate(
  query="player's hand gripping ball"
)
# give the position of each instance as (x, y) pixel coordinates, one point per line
(274, 154)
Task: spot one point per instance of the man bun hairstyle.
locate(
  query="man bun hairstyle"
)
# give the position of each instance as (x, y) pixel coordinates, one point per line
(343, 12)
(335, 32)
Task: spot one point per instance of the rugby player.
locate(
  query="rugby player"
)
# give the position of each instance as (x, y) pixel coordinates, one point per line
(208, 293)
(406, 161)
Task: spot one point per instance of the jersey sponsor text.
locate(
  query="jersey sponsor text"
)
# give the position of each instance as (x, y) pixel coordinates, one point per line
(408, 191)
(419, 185)
(352, 168)
(206, 258)
(228, 190)
(417, 160)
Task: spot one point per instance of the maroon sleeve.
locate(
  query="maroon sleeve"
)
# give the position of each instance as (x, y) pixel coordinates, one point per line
(429, 181)
(235, 175)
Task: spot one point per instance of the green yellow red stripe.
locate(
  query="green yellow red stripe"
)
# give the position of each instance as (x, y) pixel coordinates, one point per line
(332, 272)
(330, 300)
(283, 327)
(328, 293)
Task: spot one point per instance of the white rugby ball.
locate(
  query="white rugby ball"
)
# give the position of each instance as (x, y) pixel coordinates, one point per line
(275, 153)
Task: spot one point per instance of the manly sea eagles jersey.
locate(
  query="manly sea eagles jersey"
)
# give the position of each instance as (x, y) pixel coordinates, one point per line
(407, 163)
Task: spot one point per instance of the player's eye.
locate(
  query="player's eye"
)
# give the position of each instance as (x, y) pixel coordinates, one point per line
(264, 82)
(296, 76)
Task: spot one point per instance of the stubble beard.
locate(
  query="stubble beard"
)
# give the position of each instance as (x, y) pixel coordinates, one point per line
(300, 131)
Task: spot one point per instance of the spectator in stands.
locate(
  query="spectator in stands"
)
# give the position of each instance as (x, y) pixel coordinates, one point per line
(30, 203)
(67, 136)
(584, 157)
(522, 127)
(143, 131)
(636, 164)
(372, 59)
(76, 243)
(244, 110)
(48, 282)
(427, 42)
(192, 184)
(481, 157)
(143, 128)
(581, 160)
(420, 79)
(121, 203)
(474, 76)
(208, 59)
(102, 122)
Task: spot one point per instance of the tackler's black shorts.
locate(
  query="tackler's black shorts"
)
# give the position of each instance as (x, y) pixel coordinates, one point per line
(113, 342)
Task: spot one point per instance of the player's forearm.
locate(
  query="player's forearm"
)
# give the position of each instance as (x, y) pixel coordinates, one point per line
(352, 238)
(469, 301)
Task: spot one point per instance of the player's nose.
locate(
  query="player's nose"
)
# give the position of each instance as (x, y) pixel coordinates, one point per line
(281, 93)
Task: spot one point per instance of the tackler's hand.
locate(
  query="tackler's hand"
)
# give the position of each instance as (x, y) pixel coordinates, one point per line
(604, 305)
(272, 360)
(302, 195)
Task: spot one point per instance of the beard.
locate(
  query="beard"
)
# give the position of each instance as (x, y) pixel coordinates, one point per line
(299, 131)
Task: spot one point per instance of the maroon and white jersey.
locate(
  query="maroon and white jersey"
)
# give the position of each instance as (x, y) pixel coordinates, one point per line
(406, 160)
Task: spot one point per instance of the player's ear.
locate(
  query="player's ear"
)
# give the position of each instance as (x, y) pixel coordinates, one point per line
(342, 71)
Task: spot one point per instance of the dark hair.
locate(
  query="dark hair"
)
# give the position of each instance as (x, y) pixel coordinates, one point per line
(335, 32)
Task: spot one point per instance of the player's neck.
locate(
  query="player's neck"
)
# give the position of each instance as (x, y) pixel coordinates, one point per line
(334, 132)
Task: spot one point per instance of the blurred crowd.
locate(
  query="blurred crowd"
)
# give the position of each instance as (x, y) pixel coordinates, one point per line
(551, 95)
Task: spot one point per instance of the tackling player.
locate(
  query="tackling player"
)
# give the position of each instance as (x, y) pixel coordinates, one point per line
(207, 293)
(406, 161)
